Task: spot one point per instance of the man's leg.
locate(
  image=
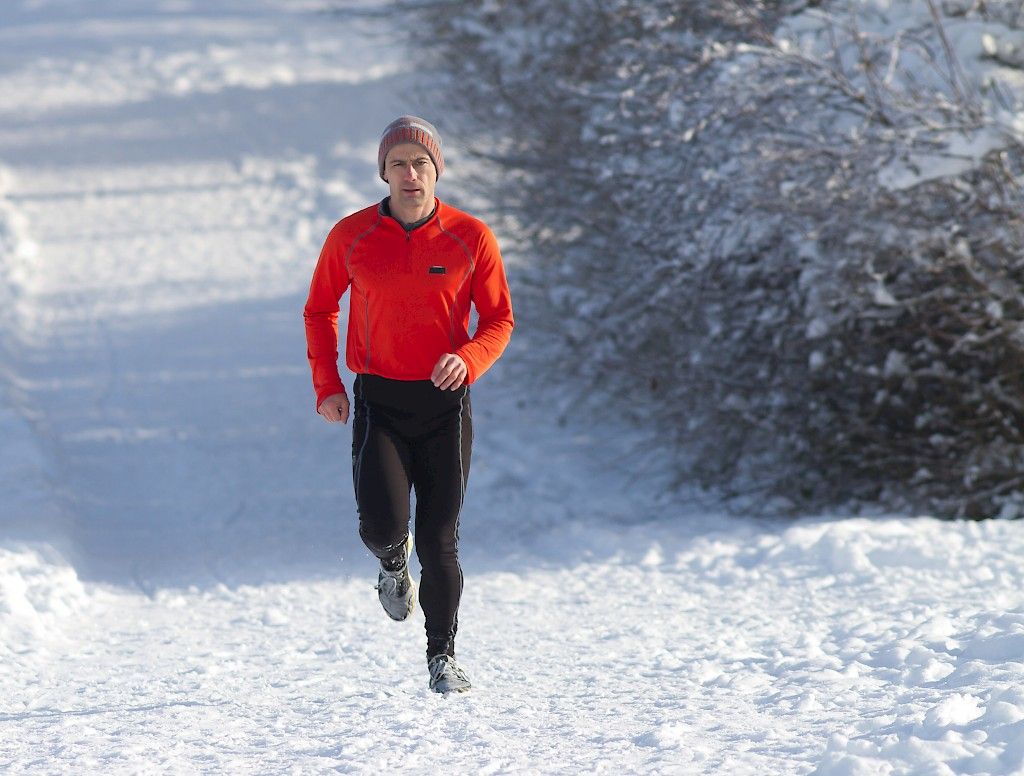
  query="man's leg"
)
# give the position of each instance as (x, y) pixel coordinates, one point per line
(381, 474)
(440, 468)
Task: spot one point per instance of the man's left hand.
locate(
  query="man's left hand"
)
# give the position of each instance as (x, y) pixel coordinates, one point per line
(450, 372)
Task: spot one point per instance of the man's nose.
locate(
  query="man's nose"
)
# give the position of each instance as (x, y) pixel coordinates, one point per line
(410, 172)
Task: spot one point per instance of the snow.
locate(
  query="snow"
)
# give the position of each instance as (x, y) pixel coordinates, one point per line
(181, 584)
(961, 155)
(987, 68)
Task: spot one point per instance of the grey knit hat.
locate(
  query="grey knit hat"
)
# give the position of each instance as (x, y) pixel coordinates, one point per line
(411, 129)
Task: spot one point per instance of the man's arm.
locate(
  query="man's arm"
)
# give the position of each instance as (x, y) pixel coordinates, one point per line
(330, 280)
(493, 302)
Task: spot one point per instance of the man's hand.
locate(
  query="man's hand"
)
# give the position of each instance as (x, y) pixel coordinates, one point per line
(334, 409)
(450, 372)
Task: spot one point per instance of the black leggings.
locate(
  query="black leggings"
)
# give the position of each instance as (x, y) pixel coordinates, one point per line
(410, 434)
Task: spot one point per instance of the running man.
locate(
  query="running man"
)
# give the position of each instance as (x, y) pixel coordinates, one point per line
(413, 266)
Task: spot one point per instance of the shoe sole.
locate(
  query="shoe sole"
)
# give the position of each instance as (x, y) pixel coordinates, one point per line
(451, 690)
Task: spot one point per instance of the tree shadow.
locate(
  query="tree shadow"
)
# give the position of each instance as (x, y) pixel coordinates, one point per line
(185, 450)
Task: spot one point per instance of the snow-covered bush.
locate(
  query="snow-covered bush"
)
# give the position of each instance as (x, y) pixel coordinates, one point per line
(786, 236)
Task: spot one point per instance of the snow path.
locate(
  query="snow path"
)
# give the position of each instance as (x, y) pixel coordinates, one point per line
(181, 585)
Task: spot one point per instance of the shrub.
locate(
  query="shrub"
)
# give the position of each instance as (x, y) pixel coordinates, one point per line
(788, 236)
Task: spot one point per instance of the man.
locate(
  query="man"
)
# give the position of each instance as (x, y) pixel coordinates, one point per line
(414, 266)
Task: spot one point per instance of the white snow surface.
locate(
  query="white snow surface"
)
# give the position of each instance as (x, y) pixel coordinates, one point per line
(182, 589)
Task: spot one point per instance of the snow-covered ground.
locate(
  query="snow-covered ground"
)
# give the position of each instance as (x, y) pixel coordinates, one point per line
(181, 585)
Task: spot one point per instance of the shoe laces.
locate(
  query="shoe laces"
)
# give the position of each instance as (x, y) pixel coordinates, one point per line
(390, 582)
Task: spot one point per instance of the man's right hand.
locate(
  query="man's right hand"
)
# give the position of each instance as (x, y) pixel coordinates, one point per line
(334, 409)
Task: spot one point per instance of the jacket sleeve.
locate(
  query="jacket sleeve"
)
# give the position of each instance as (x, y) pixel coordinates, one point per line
(493, 301)
(330, 280)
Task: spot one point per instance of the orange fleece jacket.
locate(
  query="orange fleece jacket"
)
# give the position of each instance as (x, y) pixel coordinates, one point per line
(410, 298)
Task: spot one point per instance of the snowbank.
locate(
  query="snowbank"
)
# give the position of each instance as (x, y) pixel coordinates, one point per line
(38, 589)
(972, 720)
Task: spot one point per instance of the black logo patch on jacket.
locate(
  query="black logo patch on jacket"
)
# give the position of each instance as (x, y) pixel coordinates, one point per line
(437, 270)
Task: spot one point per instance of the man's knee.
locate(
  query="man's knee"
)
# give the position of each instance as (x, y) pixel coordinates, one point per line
(383, 540)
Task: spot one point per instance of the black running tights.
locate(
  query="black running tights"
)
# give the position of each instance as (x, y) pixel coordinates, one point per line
(410, 435)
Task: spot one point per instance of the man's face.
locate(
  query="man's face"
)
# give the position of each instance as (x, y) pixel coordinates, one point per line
(411, 176)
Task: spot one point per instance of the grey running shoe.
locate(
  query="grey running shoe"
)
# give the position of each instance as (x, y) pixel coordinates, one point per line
(446, 675)
(396, 590)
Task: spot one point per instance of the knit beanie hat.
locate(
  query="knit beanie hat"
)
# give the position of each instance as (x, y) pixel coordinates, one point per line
(411, 129)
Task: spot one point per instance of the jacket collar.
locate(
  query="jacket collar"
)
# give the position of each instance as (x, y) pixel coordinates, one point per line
(432, 221)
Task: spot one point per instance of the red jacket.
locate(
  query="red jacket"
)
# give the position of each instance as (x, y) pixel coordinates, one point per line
(411, 293)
